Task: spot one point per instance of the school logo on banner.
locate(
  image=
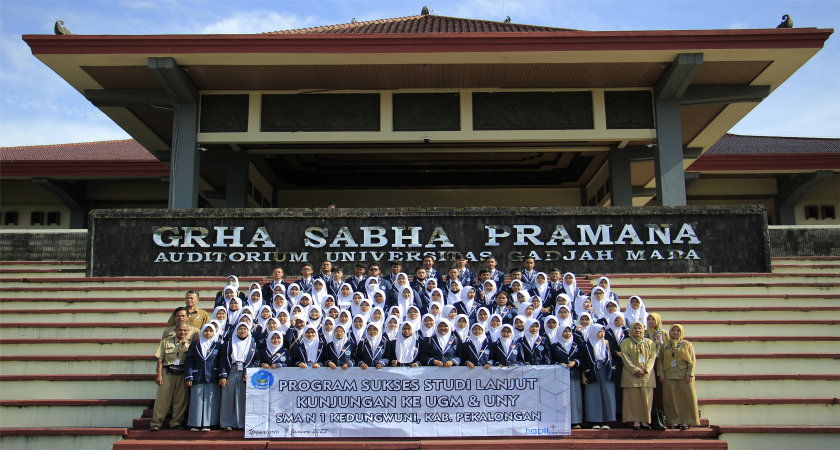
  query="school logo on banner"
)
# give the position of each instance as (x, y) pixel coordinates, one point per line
(262, 380)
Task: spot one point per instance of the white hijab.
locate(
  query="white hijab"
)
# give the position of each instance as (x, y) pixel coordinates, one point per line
(523, 307)
(571, 289)
(599, 346)
(235, 283)
(495, 332)
(233, 316)
(392, 334)
(240, 347)
(463, 333)
(607, 289)
(416, 322)
(402, 301)
(294, 298)
(468, 304)
(373, 302)
(635, 315)
(341, 300)
(285, 302)
(585, 331)
(272, 349)
(551, 334)
(444, 313)
(380, 322)
(600, 306)
(374, 342)
(338, 344)
(354, 308)
(234, 289)
(427, 332)
(216, 311)
(349, 316)
(219, 329)
(315, 323)
(488, 297)
(442, 297)
(529, 337)
(371, 288)
(357, 333)
(542, 289)
(617, 331)
(255, 305)
(262, 322)
(484, 323)
(568, 321)
(516, 333)
(284, 327)
(443, 339)
(453, 297)
(566, 343)
(513, 298)
(579, 309)
(405, 345)
(367, 314)
(426, 285)
(318, 297)
(478, 341)
(311, 346)
(204, 342)
(504, 342)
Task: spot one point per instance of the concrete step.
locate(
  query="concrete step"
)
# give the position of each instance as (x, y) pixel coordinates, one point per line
(71, 413)
(806, 268)
(765, 386)
(792, 298)
(77, 365)
(112, 386)
(772, 412)
(63, 438)
(100, 315)
(39, 273)
(764, 344)
(719, 278)
(785, 260)
(205, 283)
(39, 265)
(782, 363)
(781, 437)
(103, 302)
(28, 347)
(676, 314)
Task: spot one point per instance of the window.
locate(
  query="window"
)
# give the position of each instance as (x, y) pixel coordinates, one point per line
(36, 218)
(258, 197)
(812, 212)
(828, 212)
(53, 218)
(10, 218)
(266, 203)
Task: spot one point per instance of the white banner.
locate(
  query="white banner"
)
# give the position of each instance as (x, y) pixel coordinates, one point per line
(407, 402)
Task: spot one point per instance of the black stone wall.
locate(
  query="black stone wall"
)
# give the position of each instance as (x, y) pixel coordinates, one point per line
(39, 246)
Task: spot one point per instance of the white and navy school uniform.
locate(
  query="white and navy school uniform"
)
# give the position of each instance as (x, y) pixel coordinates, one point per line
(392, 352)
(481, 356)
(507, 356)
(345, 355)
(498, 277)
(205, 394)
(507, 314)
(372, 356)
(220, 299)
(534, 355)
(430, 350)
(281, 357)
(334, 287)
(471, 313)
(306, 285)
(559, 355)
(291, 336)
(298, 353)
(268, 290)
(467, 277)
(252, 359)
(554, 289)
(529, 279)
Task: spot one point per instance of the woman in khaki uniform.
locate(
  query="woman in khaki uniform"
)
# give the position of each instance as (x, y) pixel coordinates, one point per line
(637, 381)
(659, 337)
(676, 373)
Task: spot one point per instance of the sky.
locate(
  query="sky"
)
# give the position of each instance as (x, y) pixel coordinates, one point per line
(38, 107)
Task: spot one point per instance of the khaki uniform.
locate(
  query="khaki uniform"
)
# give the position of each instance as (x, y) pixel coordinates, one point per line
(638, 391)
(173, 392)
(169, 332)
(197, 318)
(680, 398)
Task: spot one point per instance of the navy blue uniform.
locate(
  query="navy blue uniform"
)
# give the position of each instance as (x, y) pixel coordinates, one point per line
(536, 355)
(200, 369)
(345, 355)
(372, 356)
(281, 358)
(252, 359)
(431, 350)
(505, 357)
(479, 357)
(298, 353)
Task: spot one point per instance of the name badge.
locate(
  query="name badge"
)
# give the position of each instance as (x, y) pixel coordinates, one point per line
(178, 362)
(674, 363)
(239, 366)
(641, 359)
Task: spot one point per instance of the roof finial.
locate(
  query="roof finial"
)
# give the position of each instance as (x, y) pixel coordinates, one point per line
(424, 11)
(60, 29)
(787, 22)
(507, 19)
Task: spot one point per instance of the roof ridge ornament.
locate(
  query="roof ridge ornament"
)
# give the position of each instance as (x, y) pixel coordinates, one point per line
(787, 22)
(60, 29)
(424, 11)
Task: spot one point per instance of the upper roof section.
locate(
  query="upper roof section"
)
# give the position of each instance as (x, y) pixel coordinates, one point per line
(424, 23)
(124, 150)
(733, 144)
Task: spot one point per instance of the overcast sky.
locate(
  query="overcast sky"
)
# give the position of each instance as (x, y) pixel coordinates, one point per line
(38, 107)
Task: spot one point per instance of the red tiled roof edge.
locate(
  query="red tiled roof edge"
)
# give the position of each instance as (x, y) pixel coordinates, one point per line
(119, 150)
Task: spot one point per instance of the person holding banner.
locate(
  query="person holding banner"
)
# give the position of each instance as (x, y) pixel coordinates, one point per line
(477, 348)
(373, 349)
(599, 394)
(240, 352)
(275, 354)
(340, 350)
(442, 348)
(534, 351)
(505, 351)
(406, 347)
(307, 350)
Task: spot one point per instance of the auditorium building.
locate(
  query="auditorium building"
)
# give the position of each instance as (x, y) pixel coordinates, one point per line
(417, 121)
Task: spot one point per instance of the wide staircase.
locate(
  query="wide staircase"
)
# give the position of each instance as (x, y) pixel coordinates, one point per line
(76, 364)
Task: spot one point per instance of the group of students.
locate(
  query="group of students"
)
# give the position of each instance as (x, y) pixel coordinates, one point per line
(463, 320)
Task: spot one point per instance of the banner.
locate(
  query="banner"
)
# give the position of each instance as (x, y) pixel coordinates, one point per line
(407, 402)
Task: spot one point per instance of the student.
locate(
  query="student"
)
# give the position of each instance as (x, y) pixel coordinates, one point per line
(372, 351)
(604, 283)
(466, 276)
(305, 301)
(171, 355)
(564, 315)
(344, 299)
(392, 328)
(239, 354)
(307, 351)
(584, 329)
(364, 309)
(357, 281)
(461, 328)
(325, 334)
(477, 348)
(610, 308)
(452, 277)
(497, 276)
(599, 391)
(584, 305)
(326, 272)
(372, 286)
(329, 302)
(357, 331)
(505, 351)
(233, 313)
(427, 330)
(676, 374)
(426, 293)
(431, 272)
(540, 288)
(414, 316)
(534, 350)
(279, 303)
(255, 300)
(306, 280)
(467, 304)
(638, 354)
(419, 281)
(529, 275)
(345, 318)
(406, 298)
(315, 316)
(333, 313)
(571, 290)
(374, 271)
(335, 281)
(555, 288)
(449, 313)
(276, 280)
(566, 352)
(284, 321)
(539, 313)
(232, 282)
(494, 327)
(503, 308)
(396, 270)
(483, 317)
(228, 293)
(518, 327)
(298, 324)
(598, 301)
(515, 274)
(515, 287)
(340, 350)
(526, 310)
(635, 311)
(293, 294)
(442, 349)
(202, 377)
(319, 292)
(262, 328)
(488, 293)
(405, 348)
(615, 334)
(275, 354)
(220, 316)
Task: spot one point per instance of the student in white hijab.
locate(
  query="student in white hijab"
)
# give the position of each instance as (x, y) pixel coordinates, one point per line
(406, 346)
(307, 350)
(492, 330)
(379, 299)
(506, 351)
(233, 314)
(356, 302)
(632, 315)
(599, 395)
(454, 296)
(551, 326)
(463, 332)
(489, 295)
(344, 297)
(541, 288)
(241, 353)
(255, 299)
(486, 322)
(358, 332)
(428, 329)
(566, 321)
(417, 320)
(371, 286)
(293, 293)
(318, 296)
(477, 348)
(391, 333)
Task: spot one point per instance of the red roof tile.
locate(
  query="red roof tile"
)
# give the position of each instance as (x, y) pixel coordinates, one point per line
(733, 144)
(125, 150)
(421, 24)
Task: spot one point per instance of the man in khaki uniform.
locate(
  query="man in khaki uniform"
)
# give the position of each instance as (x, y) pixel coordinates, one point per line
(180, 316)
(171, 354)
(196, 317)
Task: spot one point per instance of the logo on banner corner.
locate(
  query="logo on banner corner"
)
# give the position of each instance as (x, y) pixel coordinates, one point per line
(262, 380)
